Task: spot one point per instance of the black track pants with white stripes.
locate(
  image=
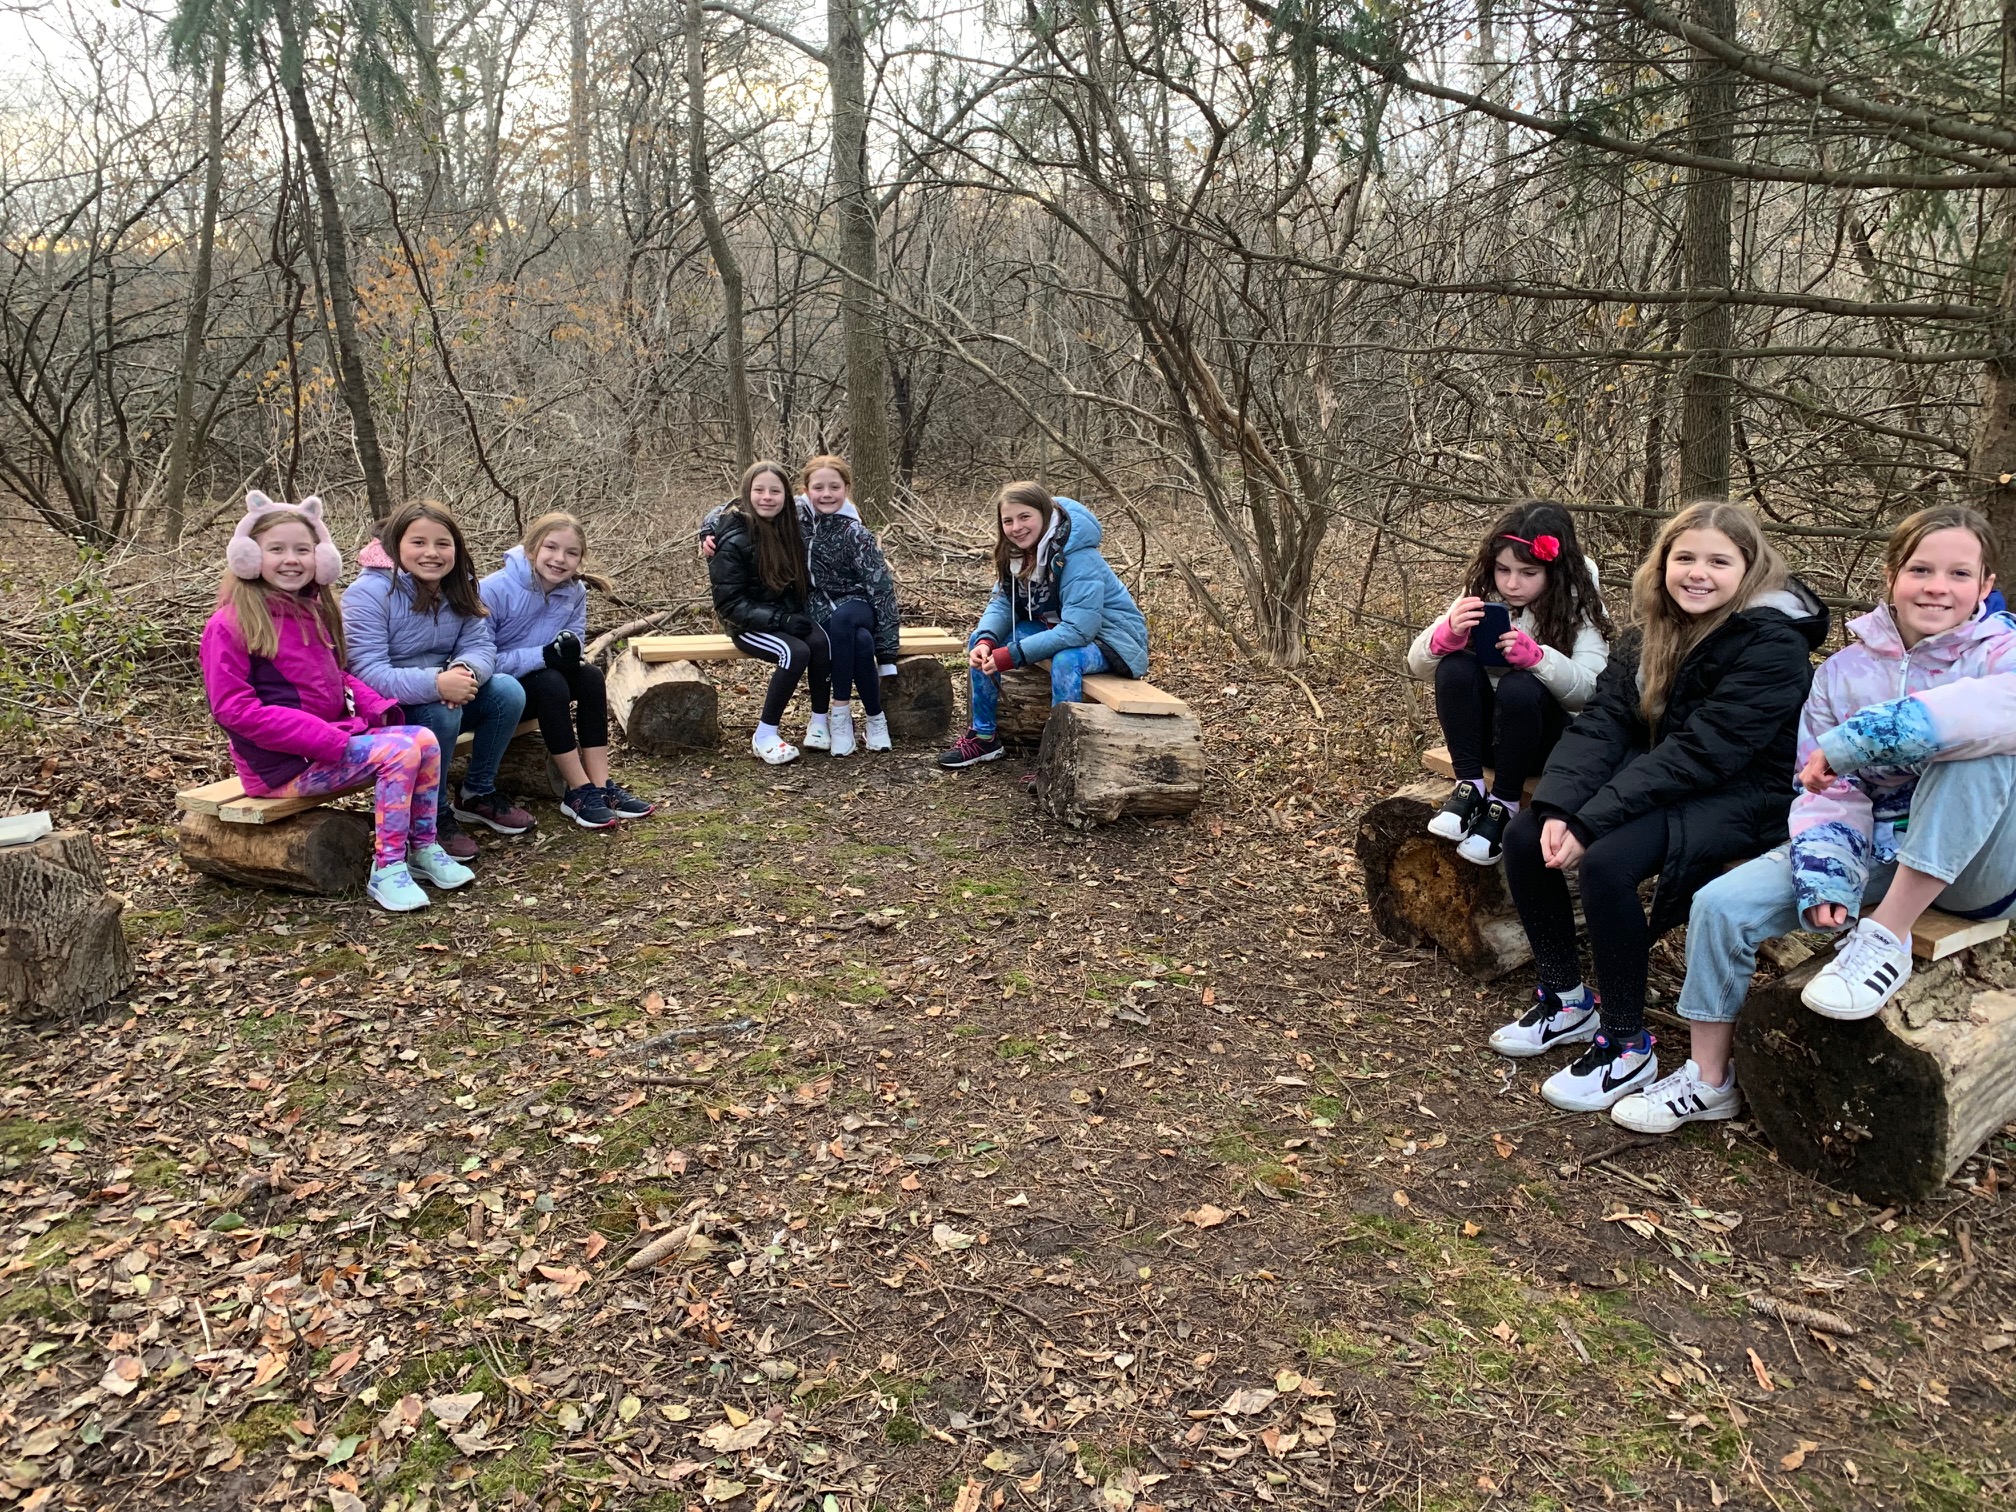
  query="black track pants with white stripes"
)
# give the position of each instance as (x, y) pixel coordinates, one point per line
(793, 658)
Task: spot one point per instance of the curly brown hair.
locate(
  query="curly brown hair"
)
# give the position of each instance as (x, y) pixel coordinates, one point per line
(1570, 596)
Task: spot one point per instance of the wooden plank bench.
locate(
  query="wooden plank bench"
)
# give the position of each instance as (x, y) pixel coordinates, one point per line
(915, 640)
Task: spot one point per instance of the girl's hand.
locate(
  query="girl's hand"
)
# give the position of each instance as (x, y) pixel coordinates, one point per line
(1464, 614)
(456, 685)
(1559, 848)
(1003, 660)
(1520, 649)
(1826, 916)
(1816, 776)
(980, 656)
(707, 548)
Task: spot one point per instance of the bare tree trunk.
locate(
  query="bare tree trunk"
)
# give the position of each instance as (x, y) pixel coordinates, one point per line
(1993, 458)
(725, 261)
(182, 444)
(336, 261)
(1705, 402)
(577, 111)
(860, 331)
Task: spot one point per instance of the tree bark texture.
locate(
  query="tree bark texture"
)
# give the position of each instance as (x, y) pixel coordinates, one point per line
(182, 441)
(1024, 708)
(1992, 459)
(1096, 766)
(726, 264)
(1707, 329)
(860, 324)
(1423, 893)
(918, 699)
(1889, 1107)
(61, 946)
(664, 707)
(325, 850)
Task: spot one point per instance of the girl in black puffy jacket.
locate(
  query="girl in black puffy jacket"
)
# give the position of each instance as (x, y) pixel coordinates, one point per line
(761, 592)
(1681, 762)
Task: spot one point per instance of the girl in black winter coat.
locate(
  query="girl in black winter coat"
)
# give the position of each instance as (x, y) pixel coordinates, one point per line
(761, 593)
(1681, 762)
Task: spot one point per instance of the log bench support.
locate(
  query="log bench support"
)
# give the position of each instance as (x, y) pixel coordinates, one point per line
(1131, 752)
(1422, 893)
(61, 946)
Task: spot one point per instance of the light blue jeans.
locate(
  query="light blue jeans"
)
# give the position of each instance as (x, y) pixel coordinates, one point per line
(1068, 671)
(1962, 831)
(491, 716)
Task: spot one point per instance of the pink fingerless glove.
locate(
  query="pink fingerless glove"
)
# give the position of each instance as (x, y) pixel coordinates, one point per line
(1446, 642)
(1524, 652)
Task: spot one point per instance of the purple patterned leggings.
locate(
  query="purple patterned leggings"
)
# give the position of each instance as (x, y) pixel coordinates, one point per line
(405, 763)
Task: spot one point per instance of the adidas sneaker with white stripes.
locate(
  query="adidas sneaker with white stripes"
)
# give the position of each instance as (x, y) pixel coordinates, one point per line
(1682, 1098)
(1869, 966)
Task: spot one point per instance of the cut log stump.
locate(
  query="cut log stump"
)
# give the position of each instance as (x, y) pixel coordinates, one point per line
(1024, 708)
(1096, 766)
(1890, 1107)
(61, 946)
(918, 699)
(664, 707)
(322, 851)
(1423, 893)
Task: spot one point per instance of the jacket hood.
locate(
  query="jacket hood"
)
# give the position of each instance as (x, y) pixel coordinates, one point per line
(518, 572)
(1795, 602)
(1083, 533)
(374, 555)
(1878, 631)
(845, 511)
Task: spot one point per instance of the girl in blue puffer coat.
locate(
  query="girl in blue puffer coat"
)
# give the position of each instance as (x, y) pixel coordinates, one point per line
(1055, 600)
(538, 603)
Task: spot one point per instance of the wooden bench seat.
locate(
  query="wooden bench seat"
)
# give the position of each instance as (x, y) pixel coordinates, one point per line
(916, 640)
(1436, 759)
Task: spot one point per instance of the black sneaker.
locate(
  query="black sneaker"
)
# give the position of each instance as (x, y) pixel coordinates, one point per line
(496, 810)
(1459, 811)
(625, 804)
(588, 807)
(1486, 840)
(971, 749)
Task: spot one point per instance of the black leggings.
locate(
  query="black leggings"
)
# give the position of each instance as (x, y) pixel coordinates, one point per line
(1620, 939)
(793, 658)
(850, 631)
(1509, 728)
(548, 692)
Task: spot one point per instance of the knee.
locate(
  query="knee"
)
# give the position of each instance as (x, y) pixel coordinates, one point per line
(422, 743)
(587, 679)
(1603, 872)
(1459, 669)
(1522, 835)
(507, 692)
(1521, 689)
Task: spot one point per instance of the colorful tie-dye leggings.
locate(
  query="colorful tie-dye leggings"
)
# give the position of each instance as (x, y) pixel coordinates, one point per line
(405, 763)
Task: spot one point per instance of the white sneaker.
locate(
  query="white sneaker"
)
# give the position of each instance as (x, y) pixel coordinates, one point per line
(876, 730)
(433, 864)
(1682, 1098)
(1869, 966)
(1548, 1023)
(776, 749)
(1605, 1075)
(841, 727)
(393, 889)
(817, 736)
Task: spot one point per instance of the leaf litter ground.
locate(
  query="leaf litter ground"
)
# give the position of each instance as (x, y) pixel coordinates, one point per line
(849, 1136)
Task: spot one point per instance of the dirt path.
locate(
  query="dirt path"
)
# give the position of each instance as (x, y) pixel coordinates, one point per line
(1020, 1168)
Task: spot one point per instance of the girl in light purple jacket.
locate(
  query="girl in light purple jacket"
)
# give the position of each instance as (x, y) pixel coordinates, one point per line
(299, 725)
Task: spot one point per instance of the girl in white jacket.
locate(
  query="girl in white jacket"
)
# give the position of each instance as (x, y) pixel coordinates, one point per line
(1505, 703)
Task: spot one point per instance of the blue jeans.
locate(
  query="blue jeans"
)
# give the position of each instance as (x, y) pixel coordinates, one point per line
(1068, 671)
(1962, 831)
(491, 716)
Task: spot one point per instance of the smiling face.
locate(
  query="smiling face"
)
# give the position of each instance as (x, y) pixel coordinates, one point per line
(558, 557)
(1704, 569)
(1940, 585)
(767, 494)
(1518, 583)
(427, 550)
(826, 489)
(1021, 524)
(287, 556)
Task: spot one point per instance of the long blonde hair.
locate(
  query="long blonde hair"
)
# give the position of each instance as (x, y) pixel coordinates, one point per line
(1668, 631)
(545, 526)
(249, 599)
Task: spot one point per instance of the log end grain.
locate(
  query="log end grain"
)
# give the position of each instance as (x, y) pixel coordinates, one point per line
(664, 708)
(1421, 892)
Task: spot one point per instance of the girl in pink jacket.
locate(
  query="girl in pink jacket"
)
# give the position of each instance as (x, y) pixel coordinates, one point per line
(298, 724)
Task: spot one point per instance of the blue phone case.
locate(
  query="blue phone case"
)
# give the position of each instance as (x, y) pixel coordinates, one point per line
(1485, 633)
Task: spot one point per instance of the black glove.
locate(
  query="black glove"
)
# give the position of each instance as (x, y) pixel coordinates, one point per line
(800, 625)
(563, 651)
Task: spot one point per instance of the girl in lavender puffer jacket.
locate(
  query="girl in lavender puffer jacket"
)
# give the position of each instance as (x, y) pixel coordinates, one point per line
(299, 725)
(1906, 797)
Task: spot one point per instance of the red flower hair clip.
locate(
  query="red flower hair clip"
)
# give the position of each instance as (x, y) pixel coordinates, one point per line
(1545, 547)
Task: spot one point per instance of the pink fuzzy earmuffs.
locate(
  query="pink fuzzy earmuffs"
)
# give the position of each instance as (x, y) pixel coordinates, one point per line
(242, 555)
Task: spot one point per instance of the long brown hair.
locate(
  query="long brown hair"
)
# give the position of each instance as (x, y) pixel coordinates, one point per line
(458, 588)
(1570, 596)
(250, 599)
(545, 526)
(1030, 496)
(780, 544)
(1911, 532)
(1669, 631)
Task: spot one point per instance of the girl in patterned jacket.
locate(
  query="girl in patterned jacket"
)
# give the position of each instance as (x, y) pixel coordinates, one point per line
(1906, 797)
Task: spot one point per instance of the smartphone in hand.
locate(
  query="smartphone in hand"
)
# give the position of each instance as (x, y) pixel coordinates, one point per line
(1485, 634)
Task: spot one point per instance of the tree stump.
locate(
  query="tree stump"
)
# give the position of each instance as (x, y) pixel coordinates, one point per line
(527, 770)
(1096, 766)
(1888, 1107)
(322, 851)
(664, 707)
(1422, 892)
(1024, 709)
(61, 947)
(918, 699)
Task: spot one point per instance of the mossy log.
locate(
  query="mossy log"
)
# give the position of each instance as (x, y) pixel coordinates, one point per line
(918, 699)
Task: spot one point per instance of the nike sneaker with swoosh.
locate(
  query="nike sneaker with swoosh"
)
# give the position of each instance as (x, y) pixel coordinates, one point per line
(1607, 1073)
(1548, 1023)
